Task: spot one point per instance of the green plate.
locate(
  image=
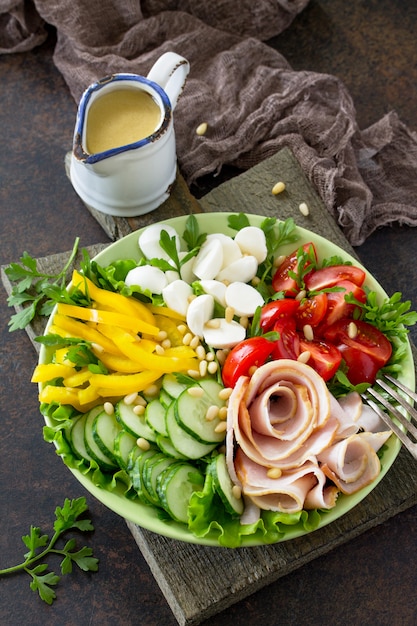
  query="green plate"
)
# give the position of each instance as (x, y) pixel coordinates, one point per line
(147, 517)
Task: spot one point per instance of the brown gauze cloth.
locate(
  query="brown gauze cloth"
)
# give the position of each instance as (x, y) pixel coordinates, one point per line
(247, 93)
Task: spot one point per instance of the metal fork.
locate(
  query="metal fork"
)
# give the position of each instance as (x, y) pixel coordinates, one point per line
(408, 425)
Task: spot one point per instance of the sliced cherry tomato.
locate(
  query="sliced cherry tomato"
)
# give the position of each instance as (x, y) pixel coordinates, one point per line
(311, 311)
(246, 354)
(288, 344)
(275, 310)
(325, 358)
(337, 307)
(365, 352)
(282, 279)
(330, 276)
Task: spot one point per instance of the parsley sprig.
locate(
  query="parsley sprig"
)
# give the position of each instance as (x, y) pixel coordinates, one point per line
(40, 546)
(35, 291)
(192, 237)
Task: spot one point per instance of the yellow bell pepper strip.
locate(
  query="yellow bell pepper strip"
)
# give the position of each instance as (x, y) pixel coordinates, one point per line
(89, 396)
(119, 363)
(123, 384)
(83, 331)
(48, 371)
(115, 301)
(55, 330)
(170, 326)
(61, 395)
(164, 310)
(78, 378)
(149, 361)
(107, 317)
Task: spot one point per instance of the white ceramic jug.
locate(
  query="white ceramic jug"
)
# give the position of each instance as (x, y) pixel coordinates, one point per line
(134, 178)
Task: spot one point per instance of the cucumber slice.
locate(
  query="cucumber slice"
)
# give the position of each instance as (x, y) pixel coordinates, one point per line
(151, 469)
(136, 474)
(164, 398)
(171, 385)
(223, 486)
(105, 430)
(133, 455)
(155, 417)
(104, 461)
(182, 440)
(165, 445)
(124, 444)
(132, 423)
(190, 412)
(175, 485)
(76, 438)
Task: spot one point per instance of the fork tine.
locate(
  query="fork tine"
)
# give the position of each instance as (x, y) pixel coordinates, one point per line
(391, 425)
(401, 386)
(408, 424)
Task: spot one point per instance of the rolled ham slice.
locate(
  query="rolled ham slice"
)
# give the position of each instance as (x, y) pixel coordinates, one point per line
(293, 490)
(351, 463)
(284, 405)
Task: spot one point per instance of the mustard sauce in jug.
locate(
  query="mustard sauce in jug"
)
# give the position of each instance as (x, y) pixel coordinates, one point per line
(119, 118)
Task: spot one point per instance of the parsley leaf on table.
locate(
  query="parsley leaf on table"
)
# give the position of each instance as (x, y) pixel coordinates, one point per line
(34, 290)
(40, 546)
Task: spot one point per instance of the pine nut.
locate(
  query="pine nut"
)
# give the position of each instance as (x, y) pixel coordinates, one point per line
(138, 409)
(109, 408)
(304, 210)
(279, 260)
(304, 357)
(97, 347)
(209, 356)
(255, 281)
(161, 335)
(195, 341)
(223, 413)
(159, 350)
(152, 390)
(215, 323)
(143, 444)
(274, 472)
(166, 344)
(308, 332)
(201, 128)
(182, 329)
(140, 400)
(203, 368)
(301, 294)
(200, 352)
(236, 492)
(278, 188)
(221, 427)
(352, 330)
(212, 412)
(186, 340)
(244, 321)
(193, 373)
(130, 399)
(221, 356)
(225, 393)
(212, 367)
(229, 314)
(195, 392)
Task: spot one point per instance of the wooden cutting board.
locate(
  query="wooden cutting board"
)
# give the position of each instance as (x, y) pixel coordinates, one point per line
(198, 581)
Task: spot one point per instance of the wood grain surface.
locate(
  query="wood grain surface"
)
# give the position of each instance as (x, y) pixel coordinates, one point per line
(198, 581)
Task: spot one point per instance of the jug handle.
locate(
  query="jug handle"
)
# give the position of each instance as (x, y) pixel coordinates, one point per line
(170, 72)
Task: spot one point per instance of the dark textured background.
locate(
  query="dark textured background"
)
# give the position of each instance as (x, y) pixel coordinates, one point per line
(371, 46)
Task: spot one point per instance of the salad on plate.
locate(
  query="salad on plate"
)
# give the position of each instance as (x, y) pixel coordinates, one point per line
(203, 376)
